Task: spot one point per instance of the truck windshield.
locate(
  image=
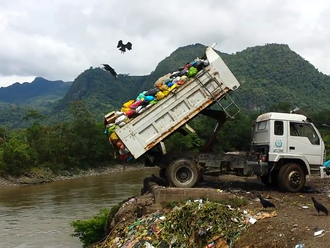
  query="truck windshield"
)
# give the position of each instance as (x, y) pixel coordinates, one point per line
(304, 130)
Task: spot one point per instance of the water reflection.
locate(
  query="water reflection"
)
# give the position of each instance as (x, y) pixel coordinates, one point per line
(40, 215)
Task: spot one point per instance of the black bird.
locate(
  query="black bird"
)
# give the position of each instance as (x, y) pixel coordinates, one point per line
(319, 207)
(122, 47)
(110, 69)
(160, 181)
(265, 203)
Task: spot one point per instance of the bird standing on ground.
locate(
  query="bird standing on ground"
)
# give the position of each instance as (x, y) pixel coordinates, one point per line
(110, 69)
(265, 203)
(319, 207)
(122, 47)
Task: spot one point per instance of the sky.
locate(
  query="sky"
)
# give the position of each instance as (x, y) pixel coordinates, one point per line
(60, 39)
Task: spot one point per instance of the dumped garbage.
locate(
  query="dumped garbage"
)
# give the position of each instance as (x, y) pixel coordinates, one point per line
(145, 100)
(194, 223)
(318, 233)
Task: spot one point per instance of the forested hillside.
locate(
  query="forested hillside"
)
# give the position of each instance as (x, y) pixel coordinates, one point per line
(273, 73)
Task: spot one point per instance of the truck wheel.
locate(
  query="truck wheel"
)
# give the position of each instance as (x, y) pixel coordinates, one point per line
(291, 178)
(183, 173)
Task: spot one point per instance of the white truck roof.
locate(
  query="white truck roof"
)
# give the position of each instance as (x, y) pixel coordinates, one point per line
(281, 116)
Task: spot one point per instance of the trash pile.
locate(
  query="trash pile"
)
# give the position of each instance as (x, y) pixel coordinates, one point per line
(194, 223)
(146, 99)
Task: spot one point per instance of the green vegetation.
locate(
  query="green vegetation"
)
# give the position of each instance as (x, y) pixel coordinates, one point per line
(92, 230)
(79, 143)
(95, 229)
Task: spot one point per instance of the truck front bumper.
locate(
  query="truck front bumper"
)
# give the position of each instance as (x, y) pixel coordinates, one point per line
(259, 168)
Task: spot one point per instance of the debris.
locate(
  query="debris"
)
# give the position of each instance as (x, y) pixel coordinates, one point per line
(305, 207)
(300, 246)
(318, 233)
(252, 220)
(264, 215)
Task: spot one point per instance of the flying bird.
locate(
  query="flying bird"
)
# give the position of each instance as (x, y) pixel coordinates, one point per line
(122, 47)
(110, 69)
(265, 203)
(319, 207)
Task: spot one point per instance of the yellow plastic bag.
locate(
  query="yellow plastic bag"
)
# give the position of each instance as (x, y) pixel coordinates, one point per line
(114, 137)
(164, 87)
(173, 87)
(165, 92)
(124, 110)
(127, 104)
(159, 95)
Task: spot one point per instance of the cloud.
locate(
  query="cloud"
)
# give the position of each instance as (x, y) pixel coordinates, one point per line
(60, 39)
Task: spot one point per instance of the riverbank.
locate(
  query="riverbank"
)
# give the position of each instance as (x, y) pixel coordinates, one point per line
(40, 176)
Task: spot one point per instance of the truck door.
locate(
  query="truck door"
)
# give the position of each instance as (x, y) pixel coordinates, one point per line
(304, 140)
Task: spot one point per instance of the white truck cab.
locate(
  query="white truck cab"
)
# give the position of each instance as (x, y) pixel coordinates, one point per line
(288, 147)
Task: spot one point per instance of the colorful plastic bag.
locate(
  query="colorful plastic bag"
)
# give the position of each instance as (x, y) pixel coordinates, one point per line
(127, 104)
(159, 95)
(130, 113)
(114, 137)
(152, 92)
(124, 110)
(136, 104)
(192, 71)
(149, 98)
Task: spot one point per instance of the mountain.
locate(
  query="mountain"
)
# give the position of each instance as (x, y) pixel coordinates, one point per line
(273, 74)
(270, 75)
(39, 92)
(100, 91)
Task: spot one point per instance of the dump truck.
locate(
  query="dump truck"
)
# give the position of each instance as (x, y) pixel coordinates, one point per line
(277, 157)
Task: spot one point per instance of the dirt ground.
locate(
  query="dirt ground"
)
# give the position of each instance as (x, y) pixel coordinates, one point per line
(293, 225)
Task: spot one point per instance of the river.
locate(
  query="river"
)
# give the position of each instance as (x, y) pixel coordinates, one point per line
(38, 216)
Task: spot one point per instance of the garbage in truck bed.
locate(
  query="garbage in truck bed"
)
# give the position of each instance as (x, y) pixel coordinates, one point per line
(145, 100)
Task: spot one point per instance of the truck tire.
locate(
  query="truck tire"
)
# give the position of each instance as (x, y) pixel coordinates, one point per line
(183, 173)
(291, 178)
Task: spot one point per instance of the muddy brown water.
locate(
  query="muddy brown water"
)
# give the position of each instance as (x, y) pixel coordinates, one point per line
(39, 216)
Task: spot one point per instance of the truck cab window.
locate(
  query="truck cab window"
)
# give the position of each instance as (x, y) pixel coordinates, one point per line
(278, 128)
(304, 130)
(262, 125)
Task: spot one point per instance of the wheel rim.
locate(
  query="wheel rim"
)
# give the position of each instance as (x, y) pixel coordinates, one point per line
(184, 175)
(294, 179)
